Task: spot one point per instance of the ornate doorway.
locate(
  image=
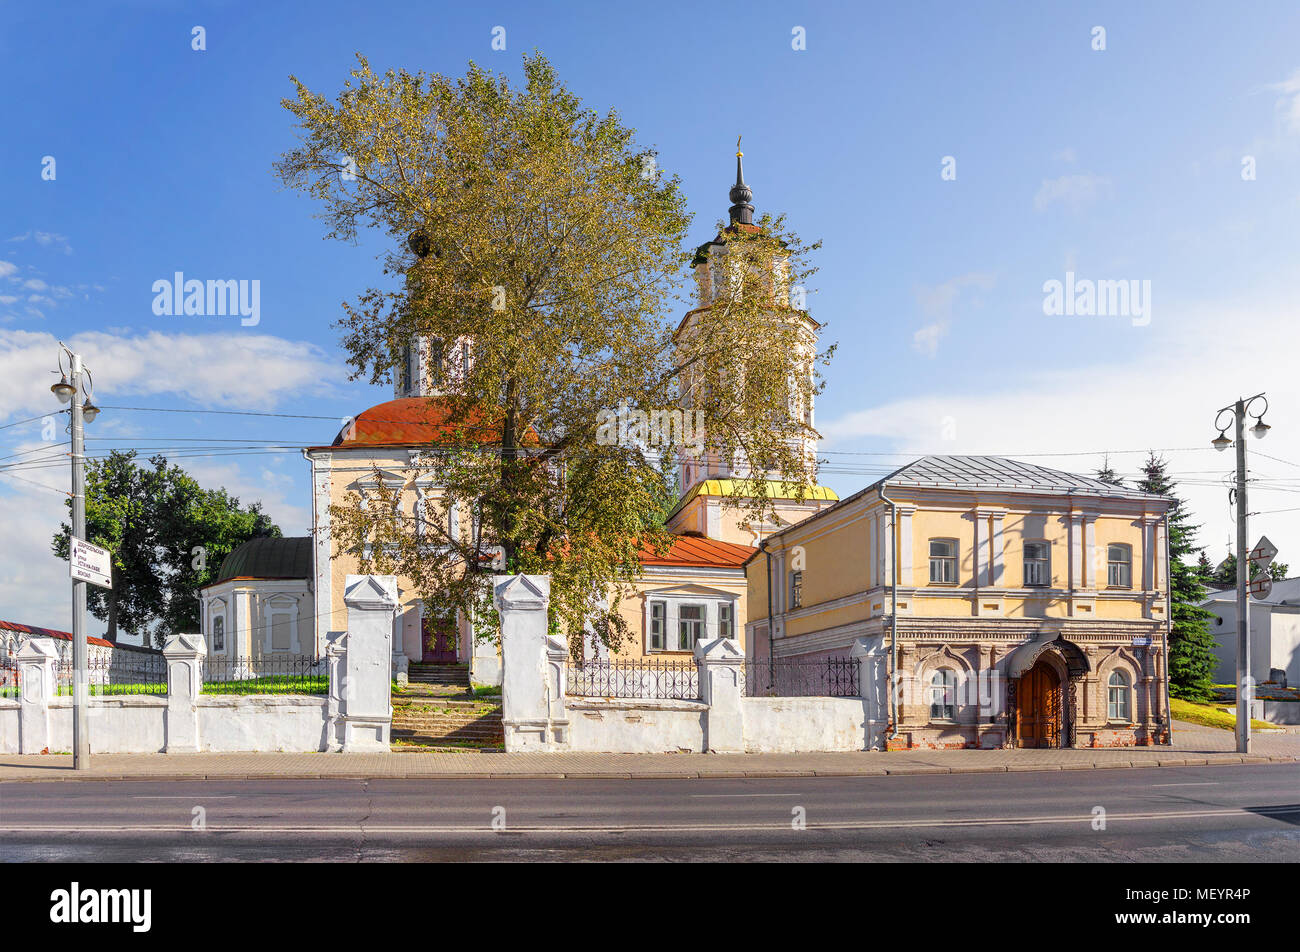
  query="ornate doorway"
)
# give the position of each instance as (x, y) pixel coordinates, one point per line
(1038, 707)
(438, 637)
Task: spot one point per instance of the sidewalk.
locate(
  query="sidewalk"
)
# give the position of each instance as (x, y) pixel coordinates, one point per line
(1194, 746)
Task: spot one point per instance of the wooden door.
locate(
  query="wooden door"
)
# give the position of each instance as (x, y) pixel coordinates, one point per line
(1038, 707)
(439, 640)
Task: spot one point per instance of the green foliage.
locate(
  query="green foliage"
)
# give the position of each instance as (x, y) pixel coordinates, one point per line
(1226, 575)
(1191, 646)
(153, 519)
(556, 252)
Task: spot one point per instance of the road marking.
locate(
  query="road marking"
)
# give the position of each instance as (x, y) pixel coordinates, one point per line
(1190, 783)
(684, 828)
(197, 796)
(708, 796)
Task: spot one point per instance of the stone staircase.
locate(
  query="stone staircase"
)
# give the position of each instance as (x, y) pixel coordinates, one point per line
(420, 673)
(421, 724)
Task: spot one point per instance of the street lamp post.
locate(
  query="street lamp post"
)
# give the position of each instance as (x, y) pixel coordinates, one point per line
(1245, 686)
(71, 390)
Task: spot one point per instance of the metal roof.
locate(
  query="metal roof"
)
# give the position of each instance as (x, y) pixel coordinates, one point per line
(1000, 473)
(268, 558)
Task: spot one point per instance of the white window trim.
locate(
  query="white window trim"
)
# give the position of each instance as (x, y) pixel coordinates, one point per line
(955, 559)
(673, 602)
(272, 608)
(1127, 688)
(1047, 564)
(1127, 562)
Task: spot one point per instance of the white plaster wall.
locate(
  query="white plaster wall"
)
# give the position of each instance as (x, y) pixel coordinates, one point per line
(133, 724)
(1282, 712)
(1285, 646)
(262, 722)
(635, 726)
(803, 723)
(9, 739)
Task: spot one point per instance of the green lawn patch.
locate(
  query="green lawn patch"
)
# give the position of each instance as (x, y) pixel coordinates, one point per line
(1209, 715)
(271, 684)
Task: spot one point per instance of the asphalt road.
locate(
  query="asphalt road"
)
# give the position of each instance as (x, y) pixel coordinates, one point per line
(1204, 814)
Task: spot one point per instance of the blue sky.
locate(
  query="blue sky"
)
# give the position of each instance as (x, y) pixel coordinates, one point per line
(1122, 163)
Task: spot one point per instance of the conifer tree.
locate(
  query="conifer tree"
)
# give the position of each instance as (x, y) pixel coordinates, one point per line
(1191, 646)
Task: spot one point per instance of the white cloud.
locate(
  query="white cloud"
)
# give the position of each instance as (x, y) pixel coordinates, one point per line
(1288, 103)
(1066, 155)
(1163, 397)
(35, 284)
(248, 371)
(7, 268)
(937, 304)
(1073, 191)
(926, 340)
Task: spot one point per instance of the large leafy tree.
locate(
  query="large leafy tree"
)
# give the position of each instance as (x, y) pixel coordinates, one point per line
(534, 234)
(168, 536)
(1191, 646)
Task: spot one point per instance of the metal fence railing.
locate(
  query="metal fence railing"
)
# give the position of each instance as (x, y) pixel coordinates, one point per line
(644, 679)
(118, 673)
(8, 678)
(792, 677)
(266, 674)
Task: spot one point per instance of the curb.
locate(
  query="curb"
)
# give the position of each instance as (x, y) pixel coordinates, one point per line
(899, 770)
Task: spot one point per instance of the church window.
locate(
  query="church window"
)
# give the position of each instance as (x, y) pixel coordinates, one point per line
(796, 589)
(219, 633)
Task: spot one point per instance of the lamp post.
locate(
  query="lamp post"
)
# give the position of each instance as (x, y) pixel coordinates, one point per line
(71, 391)
(1245, 687)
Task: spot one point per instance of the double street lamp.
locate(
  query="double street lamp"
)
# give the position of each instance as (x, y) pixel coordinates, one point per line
(1245, 686)
(70, 391)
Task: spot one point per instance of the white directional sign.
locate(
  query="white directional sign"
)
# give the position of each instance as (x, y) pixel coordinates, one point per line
(91, 564)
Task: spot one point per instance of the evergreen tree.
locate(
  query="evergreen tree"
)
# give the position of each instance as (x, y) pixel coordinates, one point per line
(1108, 475)
(1191, 646)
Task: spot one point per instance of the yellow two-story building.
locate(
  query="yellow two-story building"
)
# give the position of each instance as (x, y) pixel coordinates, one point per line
(1007, 604)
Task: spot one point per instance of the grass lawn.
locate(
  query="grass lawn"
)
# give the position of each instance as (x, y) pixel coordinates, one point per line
(1209, 715)
(272, 684)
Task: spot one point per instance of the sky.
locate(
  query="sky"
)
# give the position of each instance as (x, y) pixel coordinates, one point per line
(953, 158)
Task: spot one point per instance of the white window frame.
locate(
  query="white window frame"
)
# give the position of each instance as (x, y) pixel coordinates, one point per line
(727, 618)
(796, 588)
(946, 561)
(702, 622)
(1044, 563)
(1119, 701)
(651, 605)
(1124, 565)
(219, 621)
(942, 693)
(276, 605)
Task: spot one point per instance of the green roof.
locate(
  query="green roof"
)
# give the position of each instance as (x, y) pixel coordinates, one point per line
(269, 558)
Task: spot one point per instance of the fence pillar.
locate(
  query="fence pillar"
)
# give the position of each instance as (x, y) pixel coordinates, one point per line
(526, 715)
(336, 663)
(36, 659)
(872, 657)
(720, 664)
(367, 696)
(184, 656)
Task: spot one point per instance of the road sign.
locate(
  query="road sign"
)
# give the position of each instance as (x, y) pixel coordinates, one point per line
(1260, 587)
(1258, 562)
(91, 564)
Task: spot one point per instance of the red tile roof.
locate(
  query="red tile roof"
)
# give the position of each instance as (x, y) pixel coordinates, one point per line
(418, 421)
(54, 633)
(699, 551)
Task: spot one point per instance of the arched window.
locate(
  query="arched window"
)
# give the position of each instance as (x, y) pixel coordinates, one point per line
(943, 695)
(1117, 697)
(219, 633)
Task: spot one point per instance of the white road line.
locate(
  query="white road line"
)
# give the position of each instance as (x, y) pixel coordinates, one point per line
(710, 796)
(1190, 783)
(197, 796)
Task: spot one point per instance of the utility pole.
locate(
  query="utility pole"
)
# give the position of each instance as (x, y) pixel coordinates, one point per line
(67, 390)
(1245, 684)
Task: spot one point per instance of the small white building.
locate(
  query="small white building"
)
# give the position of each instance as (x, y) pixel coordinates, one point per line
(261, 604)
(1274, 633)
